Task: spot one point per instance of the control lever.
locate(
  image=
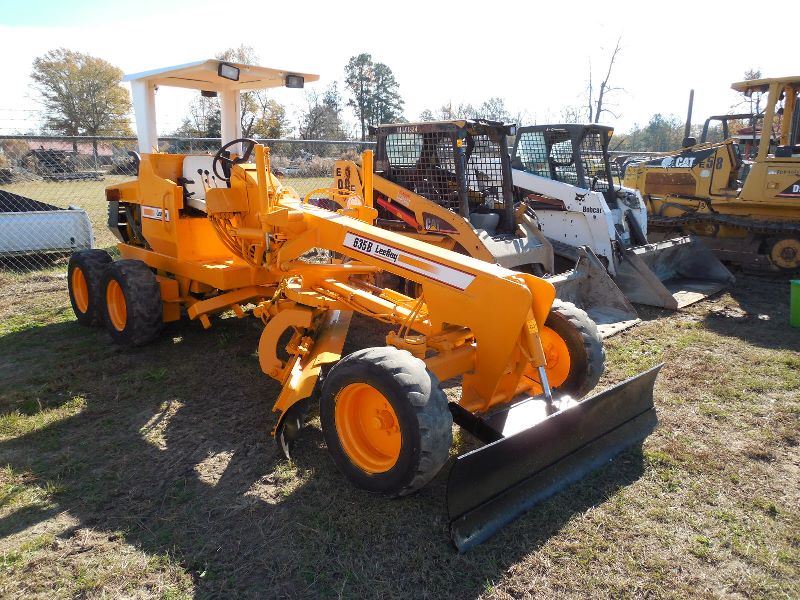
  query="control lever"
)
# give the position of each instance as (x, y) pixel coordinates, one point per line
(204, 180)
(213, 178)
(183, 182)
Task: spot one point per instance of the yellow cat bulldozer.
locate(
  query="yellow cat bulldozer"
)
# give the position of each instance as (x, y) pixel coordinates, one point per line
(191, 249)
(746, 210)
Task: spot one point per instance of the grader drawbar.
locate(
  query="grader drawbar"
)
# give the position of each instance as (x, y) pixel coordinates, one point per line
(196, 250)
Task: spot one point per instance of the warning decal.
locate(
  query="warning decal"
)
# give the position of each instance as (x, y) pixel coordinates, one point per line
(793, 191)
(151, 212)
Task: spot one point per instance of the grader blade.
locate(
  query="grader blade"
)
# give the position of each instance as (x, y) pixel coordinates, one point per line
(671, 274)
(533, 453)
(589, 286)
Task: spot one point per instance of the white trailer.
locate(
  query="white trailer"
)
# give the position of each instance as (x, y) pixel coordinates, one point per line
(31, 227)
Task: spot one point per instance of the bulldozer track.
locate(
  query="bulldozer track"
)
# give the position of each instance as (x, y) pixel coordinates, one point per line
(751, 225)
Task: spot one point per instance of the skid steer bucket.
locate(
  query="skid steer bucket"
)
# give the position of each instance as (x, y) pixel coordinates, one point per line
(671, 274)
(589, 287)
(534, 450)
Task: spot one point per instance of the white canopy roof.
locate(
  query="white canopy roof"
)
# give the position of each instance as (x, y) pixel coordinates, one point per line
(203, 75)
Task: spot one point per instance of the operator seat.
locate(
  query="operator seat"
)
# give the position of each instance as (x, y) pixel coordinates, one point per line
(197, 177)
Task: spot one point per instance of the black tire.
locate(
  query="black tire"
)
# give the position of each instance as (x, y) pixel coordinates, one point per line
(420, 406)
(88, 305)
(584, 344)
(143, 320)
(784, 254)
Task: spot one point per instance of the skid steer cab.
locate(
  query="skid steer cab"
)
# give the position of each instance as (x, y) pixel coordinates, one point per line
(239, 243)
(449, 183)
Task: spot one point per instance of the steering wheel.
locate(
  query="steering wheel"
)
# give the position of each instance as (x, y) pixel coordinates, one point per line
(222, 157)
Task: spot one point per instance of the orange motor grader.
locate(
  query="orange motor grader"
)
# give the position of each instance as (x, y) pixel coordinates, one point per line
(190, 249)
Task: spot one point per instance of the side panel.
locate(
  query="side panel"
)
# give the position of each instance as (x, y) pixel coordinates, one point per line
(775, 182)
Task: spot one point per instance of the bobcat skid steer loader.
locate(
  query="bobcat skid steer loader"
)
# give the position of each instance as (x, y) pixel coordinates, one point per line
(564, 173)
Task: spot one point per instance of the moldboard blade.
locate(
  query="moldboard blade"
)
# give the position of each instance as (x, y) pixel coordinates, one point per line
(491, 486)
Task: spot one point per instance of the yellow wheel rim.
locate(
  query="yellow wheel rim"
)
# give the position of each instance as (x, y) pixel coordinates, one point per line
(786, 254)
(557, 355)
(558, 361)
(80, 290)
(117, 310)
(368, 428)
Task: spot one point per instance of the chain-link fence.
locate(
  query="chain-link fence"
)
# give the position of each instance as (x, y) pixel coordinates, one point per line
(621, 160)
(52, 199)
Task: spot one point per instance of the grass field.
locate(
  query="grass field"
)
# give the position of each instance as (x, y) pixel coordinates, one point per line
(150, 473)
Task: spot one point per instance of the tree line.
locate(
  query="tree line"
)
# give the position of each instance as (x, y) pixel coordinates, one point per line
(81, 95)
(663, 133)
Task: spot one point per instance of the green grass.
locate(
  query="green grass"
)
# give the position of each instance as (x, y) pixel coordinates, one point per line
(33, 416)
(150, 473)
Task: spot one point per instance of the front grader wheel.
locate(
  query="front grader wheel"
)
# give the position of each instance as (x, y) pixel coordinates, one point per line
(84, 280)
(573, 349)
(133, 308)
(386, 422)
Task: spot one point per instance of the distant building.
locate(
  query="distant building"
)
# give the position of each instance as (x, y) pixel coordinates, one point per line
(104, 149)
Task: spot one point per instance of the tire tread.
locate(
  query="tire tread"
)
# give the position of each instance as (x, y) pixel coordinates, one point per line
(428, 401)
(93, 263)
(142, 301)
(592, 343)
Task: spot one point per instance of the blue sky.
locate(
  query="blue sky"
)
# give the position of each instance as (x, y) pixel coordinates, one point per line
(536, 55)
(77, 13)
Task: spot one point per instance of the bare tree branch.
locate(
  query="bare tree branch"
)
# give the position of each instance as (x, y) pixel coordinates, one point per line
(604, 86)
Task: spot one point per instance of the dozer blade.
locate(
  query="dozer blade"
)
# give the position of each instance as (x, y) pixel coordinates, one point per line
(530, 461)
(590, 287)
(671, 274)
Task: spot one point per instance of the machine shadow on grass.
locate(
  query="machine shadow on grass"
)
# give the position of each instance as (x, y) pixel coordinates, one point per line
(758, 318)
(747, 311)
(172, 450)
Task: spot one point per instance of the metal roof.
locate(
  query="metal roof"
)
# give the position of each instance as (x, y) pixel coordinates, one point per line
(762, 85)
